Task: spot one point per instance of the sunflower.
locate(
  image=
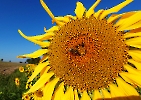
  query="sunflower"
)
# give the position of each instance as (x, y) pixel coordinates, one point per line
(26, 97)
(38, 94)
(92, 55)
(30, 65)
(21, 69)
(17, 81)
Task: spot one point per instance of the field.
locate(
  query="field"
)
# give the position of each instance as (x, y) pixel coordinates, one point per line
(9, 67)
(8, 90)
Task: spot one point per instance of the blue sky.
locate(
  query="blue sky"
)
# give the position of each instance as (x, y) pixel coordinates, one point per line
(31, 18)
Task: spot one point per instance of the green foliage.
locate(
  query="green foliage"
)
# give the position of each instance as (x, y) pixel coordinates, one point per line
(8, 89)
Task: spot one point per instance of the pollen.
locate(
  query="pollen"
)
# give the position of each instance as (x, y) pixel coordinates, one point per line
(88, 53)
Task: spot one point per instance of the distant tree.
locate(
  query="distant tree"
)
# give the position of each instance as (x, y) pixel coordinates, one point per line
(9, 60)
(28, 61)
(33, 60)
(1, 60)
(20, 62)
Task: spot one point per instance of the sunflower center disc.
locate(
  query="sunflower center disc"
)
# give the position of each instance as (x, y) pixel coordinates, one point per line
(88, 53)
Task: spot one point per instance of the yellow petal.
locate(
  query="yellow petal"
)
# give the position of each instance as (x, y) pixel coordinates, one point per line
(35, 54)
(113, 17)
(52, 29)
(38, 37)
(76, 95)
(45, 69)
(40, 83)
(49, 89)
(128, 14)
(45, 57)
(69, 95)
(43, 37)
(63, 19)
(133, 26)
(59, 93)
(136, 54)
(60, 23)
(124, 16)
(85, 96)
(49, 12)
(38, 98)
(129, 34)
(37, 70)
(126, 88)
(135, 42)
(136, 30)
(91, 9)
(125, 78)
(136, 45)
(115, 9)
(137, 64)
(97, 95)
(72, 17)
(80, 9)
(132, 70)
(42, 44)
(134, 78)
(115, 91)
(129, 21)
(97, 14)
(105, 93)
(47, 36)
(47, 9)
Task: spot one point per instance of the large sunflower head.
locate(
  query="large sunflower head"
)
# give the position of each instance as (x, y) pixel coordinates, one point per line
(90, 55)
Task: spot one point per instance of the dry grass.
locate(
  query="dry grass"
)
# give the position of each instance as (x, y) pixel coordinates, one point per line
(9, 67)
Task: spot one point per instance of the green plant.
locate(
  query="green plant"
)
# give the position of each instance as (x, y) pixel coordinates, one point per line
(8, 89)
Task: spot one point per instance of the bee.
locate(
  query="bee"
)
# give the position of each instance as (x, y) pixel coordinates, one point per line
(74, 52)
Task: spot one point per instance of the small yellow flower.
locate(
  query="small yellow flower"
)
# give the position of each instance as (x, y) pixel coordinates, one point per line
(21, 69)
(17, 81)
(26, 97)
(29, 65)
(38, 94)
